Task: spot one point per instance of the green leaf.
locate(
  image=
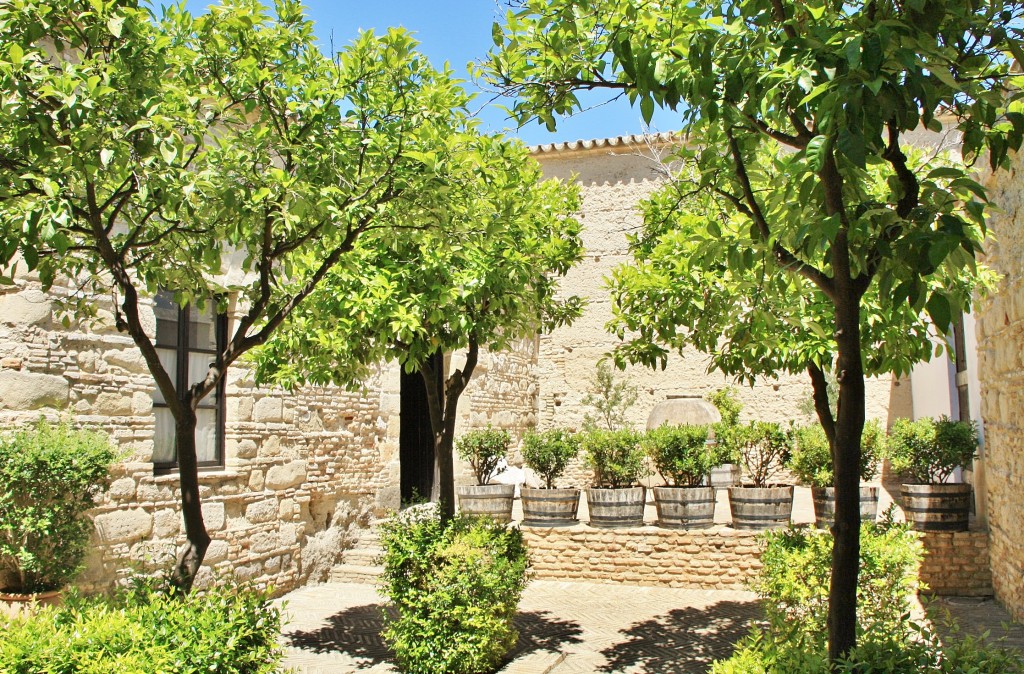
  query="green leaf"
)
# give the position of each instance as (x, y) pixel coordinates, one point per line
(647, 109)
(939, 310)
(115, 24)
(815, 151)
(16, 53)
(851, 144)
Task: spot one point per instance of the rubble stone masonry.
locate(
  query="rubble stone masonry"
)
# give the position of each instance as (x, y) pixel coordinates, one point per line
(298, 465)
(1000, 332)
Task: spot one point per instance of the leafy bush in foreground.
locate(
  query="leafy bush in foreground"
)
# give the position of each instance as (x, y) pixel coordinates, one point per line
(455, 586)
(794, 582)
(223, 630)
(50, 475)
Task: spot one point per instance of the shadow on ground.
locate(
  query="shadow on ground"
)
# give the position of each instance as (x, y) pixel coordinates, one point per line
(539, 631)
(955, 618)
(356, 632)
(684, 640)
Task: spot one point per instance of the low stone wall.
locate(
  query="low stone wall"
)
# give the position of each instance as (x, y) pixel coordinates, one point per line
(957, 563)
(719, 558)
(722, 558)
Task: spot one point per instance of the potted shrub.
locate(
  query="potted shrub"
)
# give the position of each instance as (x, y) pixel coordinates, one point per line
(50, 475)
(927, 452)
(728, 473)
(485, 449)
(616, 499)
(763, 449)
(547, 454)
(811, 462)
(684, 457)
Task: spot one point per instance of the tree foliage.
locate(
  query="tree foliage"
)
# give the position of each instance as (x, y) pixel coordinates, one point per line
(487, 278)
(223, 157)
(816, 234)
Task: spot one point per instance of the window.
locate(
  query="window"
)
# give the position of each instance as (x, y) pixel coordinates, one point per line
(187, 341)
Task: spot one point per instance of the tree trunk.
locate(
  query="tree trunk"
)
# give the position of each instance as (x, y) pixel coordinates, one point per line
(443, 406)
(842, 598)
(190, 558)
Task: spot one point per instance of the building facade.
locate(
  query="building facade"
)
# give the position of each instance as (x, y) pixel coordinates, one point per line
(300, 472)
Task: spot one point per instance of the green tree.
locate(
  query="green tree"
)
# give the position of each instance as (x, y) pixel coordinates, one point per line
(222, 157)
(486, 280)
(791, 110)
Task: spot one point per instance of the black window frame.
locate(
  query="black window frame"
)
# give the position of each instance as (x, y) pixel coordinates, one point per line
(180, 377)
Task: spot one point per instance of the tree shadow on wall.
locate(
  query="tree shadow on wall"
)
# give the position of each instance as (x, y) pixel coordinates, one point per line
(685, 640)
(356, 632)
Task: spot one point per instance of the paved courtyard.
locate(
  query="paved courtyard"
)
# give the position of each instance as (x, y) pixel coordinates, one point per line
(575, 628)
(565, 628)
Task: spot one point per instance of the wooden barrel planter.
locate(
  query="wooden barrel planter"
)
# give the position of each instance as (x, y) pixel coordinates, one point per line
(726, 475)
(550, 507)
(685, 507)
(825, 505)
(491, 500)
(761, 507)
(937, 507)
(616, 508)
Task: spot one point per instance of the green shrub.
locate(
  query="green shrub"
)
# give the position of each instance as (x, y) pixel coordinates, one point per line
(929, 450)
(796, 570)
(915, 649)
(50, 475)
(483, 449)
(615, 457)
(610, 398)
(225, 629)
(549, 452)
(794, 583)
(762, 447)
(455, 587)
(811, 458)
(724, 400)
(682, 454)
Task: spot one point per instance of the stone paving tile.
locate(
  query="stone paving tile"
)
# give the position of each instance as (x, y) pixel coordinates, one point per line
(564, 628)
(577, 628)
(976, 616)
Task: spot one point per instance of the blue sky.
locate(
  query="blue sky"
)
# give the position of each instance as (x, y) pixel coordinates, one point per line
(459, 31)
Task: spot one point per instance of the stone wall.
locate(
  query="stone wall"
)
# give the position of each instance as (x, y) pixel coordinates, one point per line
(1000, 332)
(956, 563)
(719, 558)
(301, 469)
(722, 558)
(614, 176)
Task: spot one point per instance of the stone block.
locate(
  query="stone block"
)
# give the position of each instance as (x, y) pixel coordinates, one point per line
(268, 410)
(262, 511)
(129, 359)
(213, 515)
(142, 403)
(245, 449)
(121, 526)
(166, 523)
(122, 489)
(256, 480)
(263, 542)
(286, 475)
(218, 551)
(28, 307)
(32, 391)
(111, 404)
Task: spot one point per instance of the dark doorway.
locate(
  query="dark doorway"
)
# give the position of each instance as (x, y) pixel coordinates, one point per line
(416, 443)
